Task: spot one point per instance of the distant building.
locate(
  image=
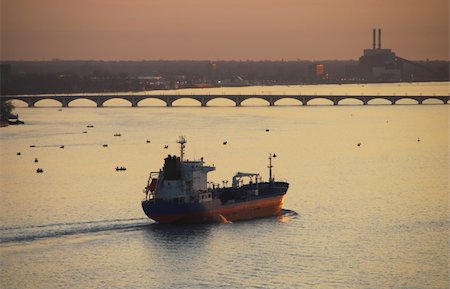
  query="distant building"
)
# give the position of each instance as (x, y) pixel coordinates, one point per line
(376, 64)
(317, 73)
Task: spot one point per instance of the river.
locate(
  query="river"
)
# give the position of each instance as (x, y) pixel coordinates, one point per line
(369, 216)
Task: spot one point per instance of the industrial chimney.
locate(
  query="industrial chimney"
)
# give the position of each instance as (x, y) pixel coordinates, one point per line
(374, 38)
(379, 38)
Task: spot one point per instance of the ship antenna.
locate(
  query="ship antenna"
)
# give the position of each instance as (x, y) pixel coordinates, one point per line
(182, 141)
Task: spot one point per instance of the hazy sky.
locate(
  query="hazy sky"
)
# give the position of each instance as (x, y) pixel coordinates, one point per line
(221, 29)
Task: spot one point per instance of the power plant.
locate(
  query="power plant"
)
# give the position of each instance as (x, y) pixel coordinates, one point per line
(382, 65)
(378, 63)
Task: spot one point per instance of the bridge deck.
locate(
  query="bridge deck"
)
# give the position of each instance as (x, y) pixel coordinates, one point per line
(203, 99)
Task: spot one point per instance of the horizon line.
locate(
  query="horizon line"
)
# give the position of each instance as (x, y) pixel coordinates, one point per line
(197, 60)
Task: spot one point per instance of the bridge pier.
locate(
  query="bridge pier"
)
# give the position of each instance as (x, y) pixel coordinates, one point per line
(99, 102)
(133, 102)
(203, 101)
(169, 101)
(271, 102)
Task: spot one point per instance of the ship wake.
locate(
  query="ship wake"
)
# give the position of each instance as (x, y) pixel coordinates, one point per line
(56, 230)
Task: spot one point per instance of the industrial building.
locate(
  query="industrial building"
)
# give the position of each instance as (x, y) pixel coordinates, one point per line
(376, 64)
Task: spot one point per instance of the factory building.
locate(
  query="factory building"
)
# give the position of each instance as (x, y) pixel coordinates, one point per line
(376, 64)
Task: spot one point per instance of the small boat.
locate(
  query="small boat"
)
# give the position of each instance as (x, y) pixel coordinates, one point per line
(358, 144)
(181, 193)
(166, 146)
(267, 130)
(84, 131)
(117, 134)
(121, 168)
(19, 153)
(105, 145)
(61, 147)
(147, 141)
(90, 126)
(32, 146)
(35, 160)
(225, 142)
(39, 170)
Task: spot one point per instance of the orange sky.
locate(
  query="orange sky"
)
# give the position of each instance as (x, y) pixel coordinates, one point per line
(220, 29)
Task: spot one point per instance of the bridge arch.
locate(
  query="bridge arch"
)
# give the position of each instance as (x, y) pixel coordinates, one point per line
(81, 102)
(18, 102)
(115, 101)
(406, 100)
(254, 101)
(320, 101)
(350, 101)
(186, 101)
(433, 100)
(221, 101)
(288, 101)
(151, 101)
(379, 101)
(47, 102)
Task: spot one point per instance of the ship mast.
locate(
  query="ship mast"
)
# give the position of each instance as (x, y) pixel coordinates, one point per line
(182, 141)
(270, 166)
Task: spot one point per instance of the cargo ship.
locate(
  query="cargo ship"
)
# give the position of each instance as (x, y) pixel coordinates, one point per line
(180, 193)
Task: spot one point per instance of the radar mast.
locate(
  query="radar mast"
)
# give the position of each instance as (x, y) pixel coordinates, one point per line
(182, 141)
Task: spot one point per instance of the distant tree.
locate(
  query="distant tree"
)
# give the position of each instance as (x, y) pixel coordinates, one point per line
(6, 108)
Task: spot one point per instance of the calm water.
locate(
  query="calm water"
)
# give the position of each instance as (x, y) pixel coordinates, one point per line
(373, 216)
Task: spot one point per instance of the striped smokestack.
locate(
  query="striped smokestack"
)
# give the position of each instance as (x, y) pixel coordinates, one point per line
(379, 38)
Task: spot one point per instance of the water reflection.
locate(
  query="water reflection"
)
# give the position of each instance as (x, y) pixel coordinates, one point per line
(181, 235)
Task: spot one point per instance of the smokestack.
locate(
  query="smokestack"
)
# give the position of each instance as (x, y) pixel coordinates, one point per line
(374, 37)
(379, 38)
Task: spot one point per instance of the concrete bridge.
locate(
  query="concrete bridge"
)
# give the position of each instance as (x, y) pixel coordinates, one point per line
(203, 99)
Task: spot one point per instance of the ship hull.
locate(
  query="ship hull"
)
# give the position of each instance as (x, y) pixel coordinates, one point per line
(214, 211)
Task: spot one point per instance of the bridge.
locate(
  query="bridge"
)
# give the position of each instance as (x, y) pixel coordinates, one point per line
(203, 99)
